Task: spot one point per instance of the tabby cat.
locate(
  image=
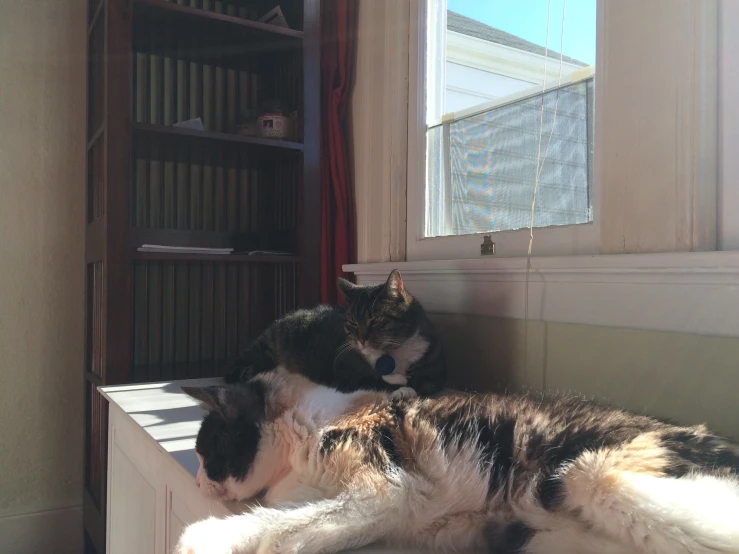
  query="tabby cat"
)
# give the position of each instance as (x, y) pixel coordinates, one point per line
(502, 474)
(382, 340)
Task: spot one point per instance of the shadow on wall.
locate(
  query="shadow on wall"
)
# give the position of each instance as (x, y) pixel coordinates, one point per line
(688, 378)
(489, 355)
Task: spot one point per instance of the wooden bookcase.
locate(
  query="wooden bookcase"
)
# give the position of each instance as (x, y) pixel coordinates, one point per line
(153, 316)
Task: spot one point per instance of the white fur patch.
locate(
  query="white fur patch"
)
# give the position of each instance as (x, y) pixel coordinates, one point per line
(412, 350)
(698, 514)
(404, 356)
(404, 392)
(322, 404)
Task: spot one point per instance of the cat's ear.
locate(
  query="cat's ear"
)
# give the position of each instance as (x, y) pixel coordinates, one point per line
(229, 402)
(347, 288)
(394, 288)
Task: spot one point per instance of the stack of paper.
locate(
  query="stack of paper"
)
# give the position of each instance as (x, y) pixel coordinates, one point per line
(183, 249)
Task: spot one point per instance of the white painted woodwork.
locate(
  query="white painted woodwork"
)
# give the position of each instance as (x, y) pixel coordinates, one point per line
(658, 168)
(687, 292)
(728, 121)
(152, 465)
(656, 135)
(379, 123)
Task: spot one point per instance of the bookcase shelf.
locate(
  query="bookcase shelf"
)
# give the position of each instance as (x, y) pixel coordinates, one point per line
(275, 240)
(235, 257)
(213, 23)
(159, 315)
(261, 146)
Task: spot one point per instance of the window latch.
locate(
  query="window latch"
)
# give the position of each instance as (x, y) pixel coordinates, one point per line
(487, 248)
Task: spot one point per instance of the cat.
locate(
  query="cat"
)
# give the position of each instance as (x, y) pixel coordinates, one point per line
(495, 473)
(342, 347)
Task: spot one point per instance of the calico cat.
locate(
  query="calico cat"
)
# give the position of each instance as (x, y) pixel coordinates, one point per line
(382, 340)
(497, 473)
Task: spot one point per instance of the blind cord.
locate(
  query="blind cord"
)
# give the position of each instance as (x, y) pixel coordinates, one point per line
(539, 167)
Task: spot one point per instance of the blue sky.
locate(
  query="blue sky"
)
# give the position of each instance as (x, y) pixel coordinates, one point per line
(528, 20)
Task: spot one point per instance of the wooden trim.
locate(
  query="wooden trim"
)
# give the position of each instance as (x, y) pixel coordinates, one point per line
(658, 170)
(94, 522)
(309, 217)
(95, 241)
(728, 121)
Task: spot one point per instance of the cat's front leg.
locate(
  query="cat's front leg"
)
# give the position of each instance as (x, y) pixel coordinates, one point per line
(232, 535)
(326, 527)
(403, 392)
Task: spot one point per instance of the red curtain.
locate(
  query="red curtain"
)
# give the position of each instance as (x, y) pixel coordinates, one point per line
(338, 219)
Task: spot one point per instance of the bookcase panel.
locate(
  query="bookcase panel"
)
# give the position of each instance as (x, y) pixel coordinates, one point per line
(96, 179)
(189, 318)
(95, 290)
(285, 298)
(96, 75)
(96, 446)
(168, 315)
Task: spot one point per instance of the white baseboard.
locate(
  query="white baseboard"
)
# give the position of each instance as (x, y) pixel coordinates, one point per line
(58, 531)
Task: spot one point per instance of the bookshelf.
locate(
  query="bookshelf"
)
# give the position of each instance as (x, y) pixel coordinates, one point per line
(154, 315)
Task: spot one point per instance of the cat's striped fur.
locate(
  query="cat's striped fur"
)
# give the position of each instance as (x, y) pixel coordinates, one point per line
(500, 474)
(338, 346)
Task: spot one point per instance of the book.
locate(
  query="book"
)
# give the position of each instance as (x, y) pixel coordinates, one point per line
(274, 17)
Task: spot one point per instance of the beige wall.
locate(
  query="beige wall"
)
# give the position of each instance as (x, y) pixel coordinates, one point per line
(687, 378)
(42, 174)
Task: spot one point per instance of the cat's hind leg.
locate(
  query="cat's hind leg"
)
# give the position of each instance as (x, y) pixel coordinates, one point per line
(626, 495)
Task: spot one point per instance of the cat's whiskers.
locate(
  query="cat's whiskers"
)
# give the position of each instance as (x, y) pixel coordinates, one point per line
(343, 349)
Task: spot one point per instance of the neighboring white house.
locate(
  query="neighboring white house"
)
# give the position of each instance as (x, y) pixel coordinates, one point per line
(484, 63)
(501, 134)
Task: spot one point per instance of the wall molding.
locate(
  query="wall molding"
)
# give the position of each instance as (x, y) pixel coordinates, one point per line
(696, 293)
(58, 531)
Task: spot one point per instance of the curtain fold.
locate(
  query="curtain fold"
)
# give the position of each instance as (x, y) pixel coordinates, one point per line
(338, 218)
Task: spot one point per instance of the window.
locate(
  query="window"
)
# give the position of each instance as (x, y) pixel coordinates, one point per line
(503, 110)
(512, 112)
(628, 159)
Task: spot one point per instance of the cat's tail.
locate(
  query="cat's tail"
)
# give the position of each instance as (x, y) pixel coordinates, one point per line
(257, 358)
(627, 494)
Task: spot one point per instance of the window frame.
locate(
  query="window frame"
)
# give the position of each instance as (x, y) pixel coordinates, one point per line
(566, 240)
(710, 223)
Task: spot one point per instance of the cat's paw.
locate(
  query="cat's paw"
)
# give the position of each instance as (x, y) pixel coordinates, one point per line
(404, 392)
(217, 536)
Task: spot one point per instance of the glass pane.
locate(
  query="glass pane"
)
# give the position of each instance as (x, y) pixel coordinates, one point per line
(510, 113)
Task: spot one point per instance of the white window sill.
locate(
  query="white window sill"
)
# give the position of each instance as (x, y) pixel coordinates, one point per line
(696, 292)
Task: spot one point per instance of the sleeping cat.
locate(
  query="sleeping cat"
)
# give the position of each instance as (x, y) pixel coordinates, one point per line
(506, 474)
(382, 340)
